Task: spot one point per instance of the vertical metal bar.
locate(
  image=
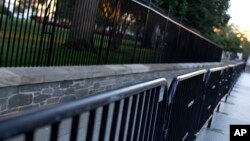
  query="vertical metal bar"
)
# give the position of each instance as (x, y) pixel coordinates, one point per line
(4, 35)
(74, 128)
(59, 37)
(151, 115)
(33, 48)
(114, 120)
(29, 136)
(112, 31)
(88, 49)
(41, 50)
(37, 49)
(58, 46)
(175, 58)
(14, 38)
(91, 125)
(26, 62)
(123, 120)
(24, 53)
(52, 37)
(132, 117)
(46, 32)
(155, 113)
(139, 115)
(19, 41)
(1, 18)
(135, 45)
(209, 123)
(10, 36)
(145, 116)
(101, 44)
(144, 38)
(226, 98)
(103, 123)
(65, 34)
(73, 49)
(54, 131)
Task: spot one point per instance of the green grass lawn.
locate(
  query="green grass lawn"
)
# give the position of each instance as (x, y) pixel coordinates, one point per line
(23, 44)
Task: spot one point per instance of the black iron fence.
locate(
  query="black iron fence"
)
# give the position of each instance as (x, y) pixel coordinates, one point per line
(66, 32)
(144, 112)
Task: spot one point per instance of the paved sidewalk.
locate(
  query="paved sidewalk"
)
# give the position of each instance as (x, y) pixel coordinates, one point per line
(235, 111)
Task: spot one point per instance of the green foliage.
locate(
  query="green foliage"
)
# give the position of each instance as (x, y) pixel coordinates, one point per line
(205, 16)
(228, 39)
(245, 44)
(200, 14)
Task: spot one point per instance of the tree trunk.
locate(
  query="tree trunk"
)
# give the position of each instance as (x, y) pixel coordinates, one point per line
(83, 24)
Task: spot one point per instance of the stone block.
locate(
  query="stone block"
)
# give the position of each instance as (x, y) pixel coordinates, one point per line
(66, 84)
(54, 85)
(58, 93)
(47, 91)
(69, 91)
(33, 87)
(41, 98)
(96, 85)
(8, 91)
(20, 100)
(3, 104)
(53, 100)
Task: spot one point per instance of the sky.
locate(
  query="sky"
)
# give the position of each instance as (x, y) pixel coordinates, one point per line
(240, 15)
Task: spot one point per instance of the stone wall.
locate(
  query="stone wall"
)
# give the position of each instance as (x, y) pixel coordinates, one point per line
(24, 89)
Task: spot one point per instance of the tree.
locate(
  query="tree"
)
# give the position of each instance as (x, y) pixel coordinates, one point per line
(118, 17)
(200, 14)
(123, 17)
(82, 24)
(228, 38)
(244, 43)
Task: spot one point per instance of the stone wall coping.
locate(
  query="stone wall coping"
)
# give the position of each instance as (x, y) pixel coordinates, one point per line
(33, 75)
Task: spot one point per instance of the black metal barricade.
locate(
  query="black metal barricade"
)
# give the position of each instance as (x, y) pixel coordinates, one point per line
(239, 69)
(210, 101)
(136, 115)
(234, 73)
(186, 96)
(229, 76)
(224, 88)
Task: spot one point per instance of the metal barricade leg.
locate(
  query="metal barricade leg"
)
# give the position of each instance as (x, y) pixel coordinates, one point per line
(218, 108)
(209, 122)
